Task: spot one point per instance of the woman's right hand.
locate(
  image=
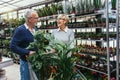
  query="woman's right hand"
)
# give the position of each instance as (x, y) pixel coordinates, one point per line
(53, 51)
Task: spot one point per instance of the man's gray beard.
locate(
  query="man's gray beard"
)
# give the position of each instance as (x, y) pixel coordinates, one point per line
(35, 24)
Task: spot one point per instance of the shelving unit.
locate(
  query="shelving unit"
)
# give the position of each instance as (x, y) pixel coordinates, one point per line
(118, 41)
(74, 17)
(108, 52)
(5, 62)
(107, 35)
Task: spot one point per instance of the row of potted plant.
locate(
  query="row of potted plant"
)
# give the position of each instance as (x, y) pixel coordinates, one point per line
(50, 25)
(13, 23)
(95, 50)
(87, 24)
(94, 63)
(92, 22)
(93, 35)
(97, 64)
(77, 7)
(53, 9)
(7, 28)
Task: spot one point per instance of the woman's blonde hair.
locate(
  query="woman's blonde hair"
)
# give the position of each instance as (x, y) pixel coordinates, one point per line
(64, 17)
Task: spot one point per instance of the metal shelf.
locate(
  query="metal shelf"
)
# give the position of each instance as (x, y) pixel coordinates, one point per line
(107, 28)
(72, 16)
(118, 38)
(100, 40)
(90, 69)
(5, 62)
(85, 15)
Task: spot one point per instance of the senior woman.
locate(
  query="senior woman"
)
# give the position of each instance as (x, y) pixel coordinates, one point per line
(63, 33)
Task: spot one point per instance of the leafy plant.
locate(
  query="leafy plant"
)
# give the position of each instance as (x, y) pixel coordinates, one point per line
(40, 12)
(78, 7)
(97, 4)
(6, 42)
(113, 2)
(60, 8)
(43, 59)
(54, 8)
(64, 61)
(40, 61)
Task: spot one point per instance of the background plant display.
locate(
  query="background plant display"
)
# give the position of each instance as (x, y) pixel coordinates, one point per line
(113, 2)
(58, 66)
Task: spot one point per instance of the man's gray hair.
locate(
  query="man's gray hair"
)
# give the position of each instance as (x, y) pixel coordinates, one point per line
(28, 13)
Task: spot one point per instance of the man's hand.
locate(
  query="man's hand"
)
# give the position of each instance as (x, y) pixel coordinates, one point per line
(31, 52)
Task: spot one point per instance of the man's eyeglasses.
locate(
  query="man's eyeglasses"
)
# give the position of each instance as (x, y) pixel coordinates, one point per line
(34, 17)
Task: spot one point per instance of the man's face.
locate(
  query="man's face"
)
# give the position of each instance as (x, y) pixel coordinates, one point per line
(34, 19)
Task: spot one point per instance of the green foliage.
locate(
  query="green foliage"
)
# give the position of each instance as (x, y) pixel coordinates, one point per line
(113, 2)
(40, 60)
(44, 58)
(6, 42)
(54, 8)
(16, 22)
(50, 10)
(97, 4)
(64, 61)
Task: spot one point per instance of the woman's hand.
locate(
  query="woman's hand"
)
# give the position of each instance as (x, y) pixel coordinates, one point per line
(53, 51)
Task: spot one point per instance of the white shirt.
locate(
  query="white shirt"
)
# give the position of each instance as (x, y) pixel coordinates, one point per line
(66, 35)
(32, 31)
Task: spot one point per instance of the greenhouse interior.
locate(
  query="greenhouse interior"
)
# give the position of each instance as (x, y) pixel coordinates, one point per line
(59, 40)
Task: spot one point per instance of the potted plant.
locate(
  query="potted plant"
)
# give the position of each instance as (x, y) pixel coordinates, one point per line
(42, 61)
(97, 4)
(64, 61)
(113, 3)
(54, 8)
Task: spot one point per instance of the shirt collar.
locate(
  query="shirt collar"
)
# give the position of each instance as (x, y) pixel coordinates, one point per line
(66, 29)
(26, 26)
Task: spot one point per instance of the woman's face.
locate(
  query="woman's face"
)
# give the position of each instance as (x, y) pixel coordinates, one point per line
(61, 22)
